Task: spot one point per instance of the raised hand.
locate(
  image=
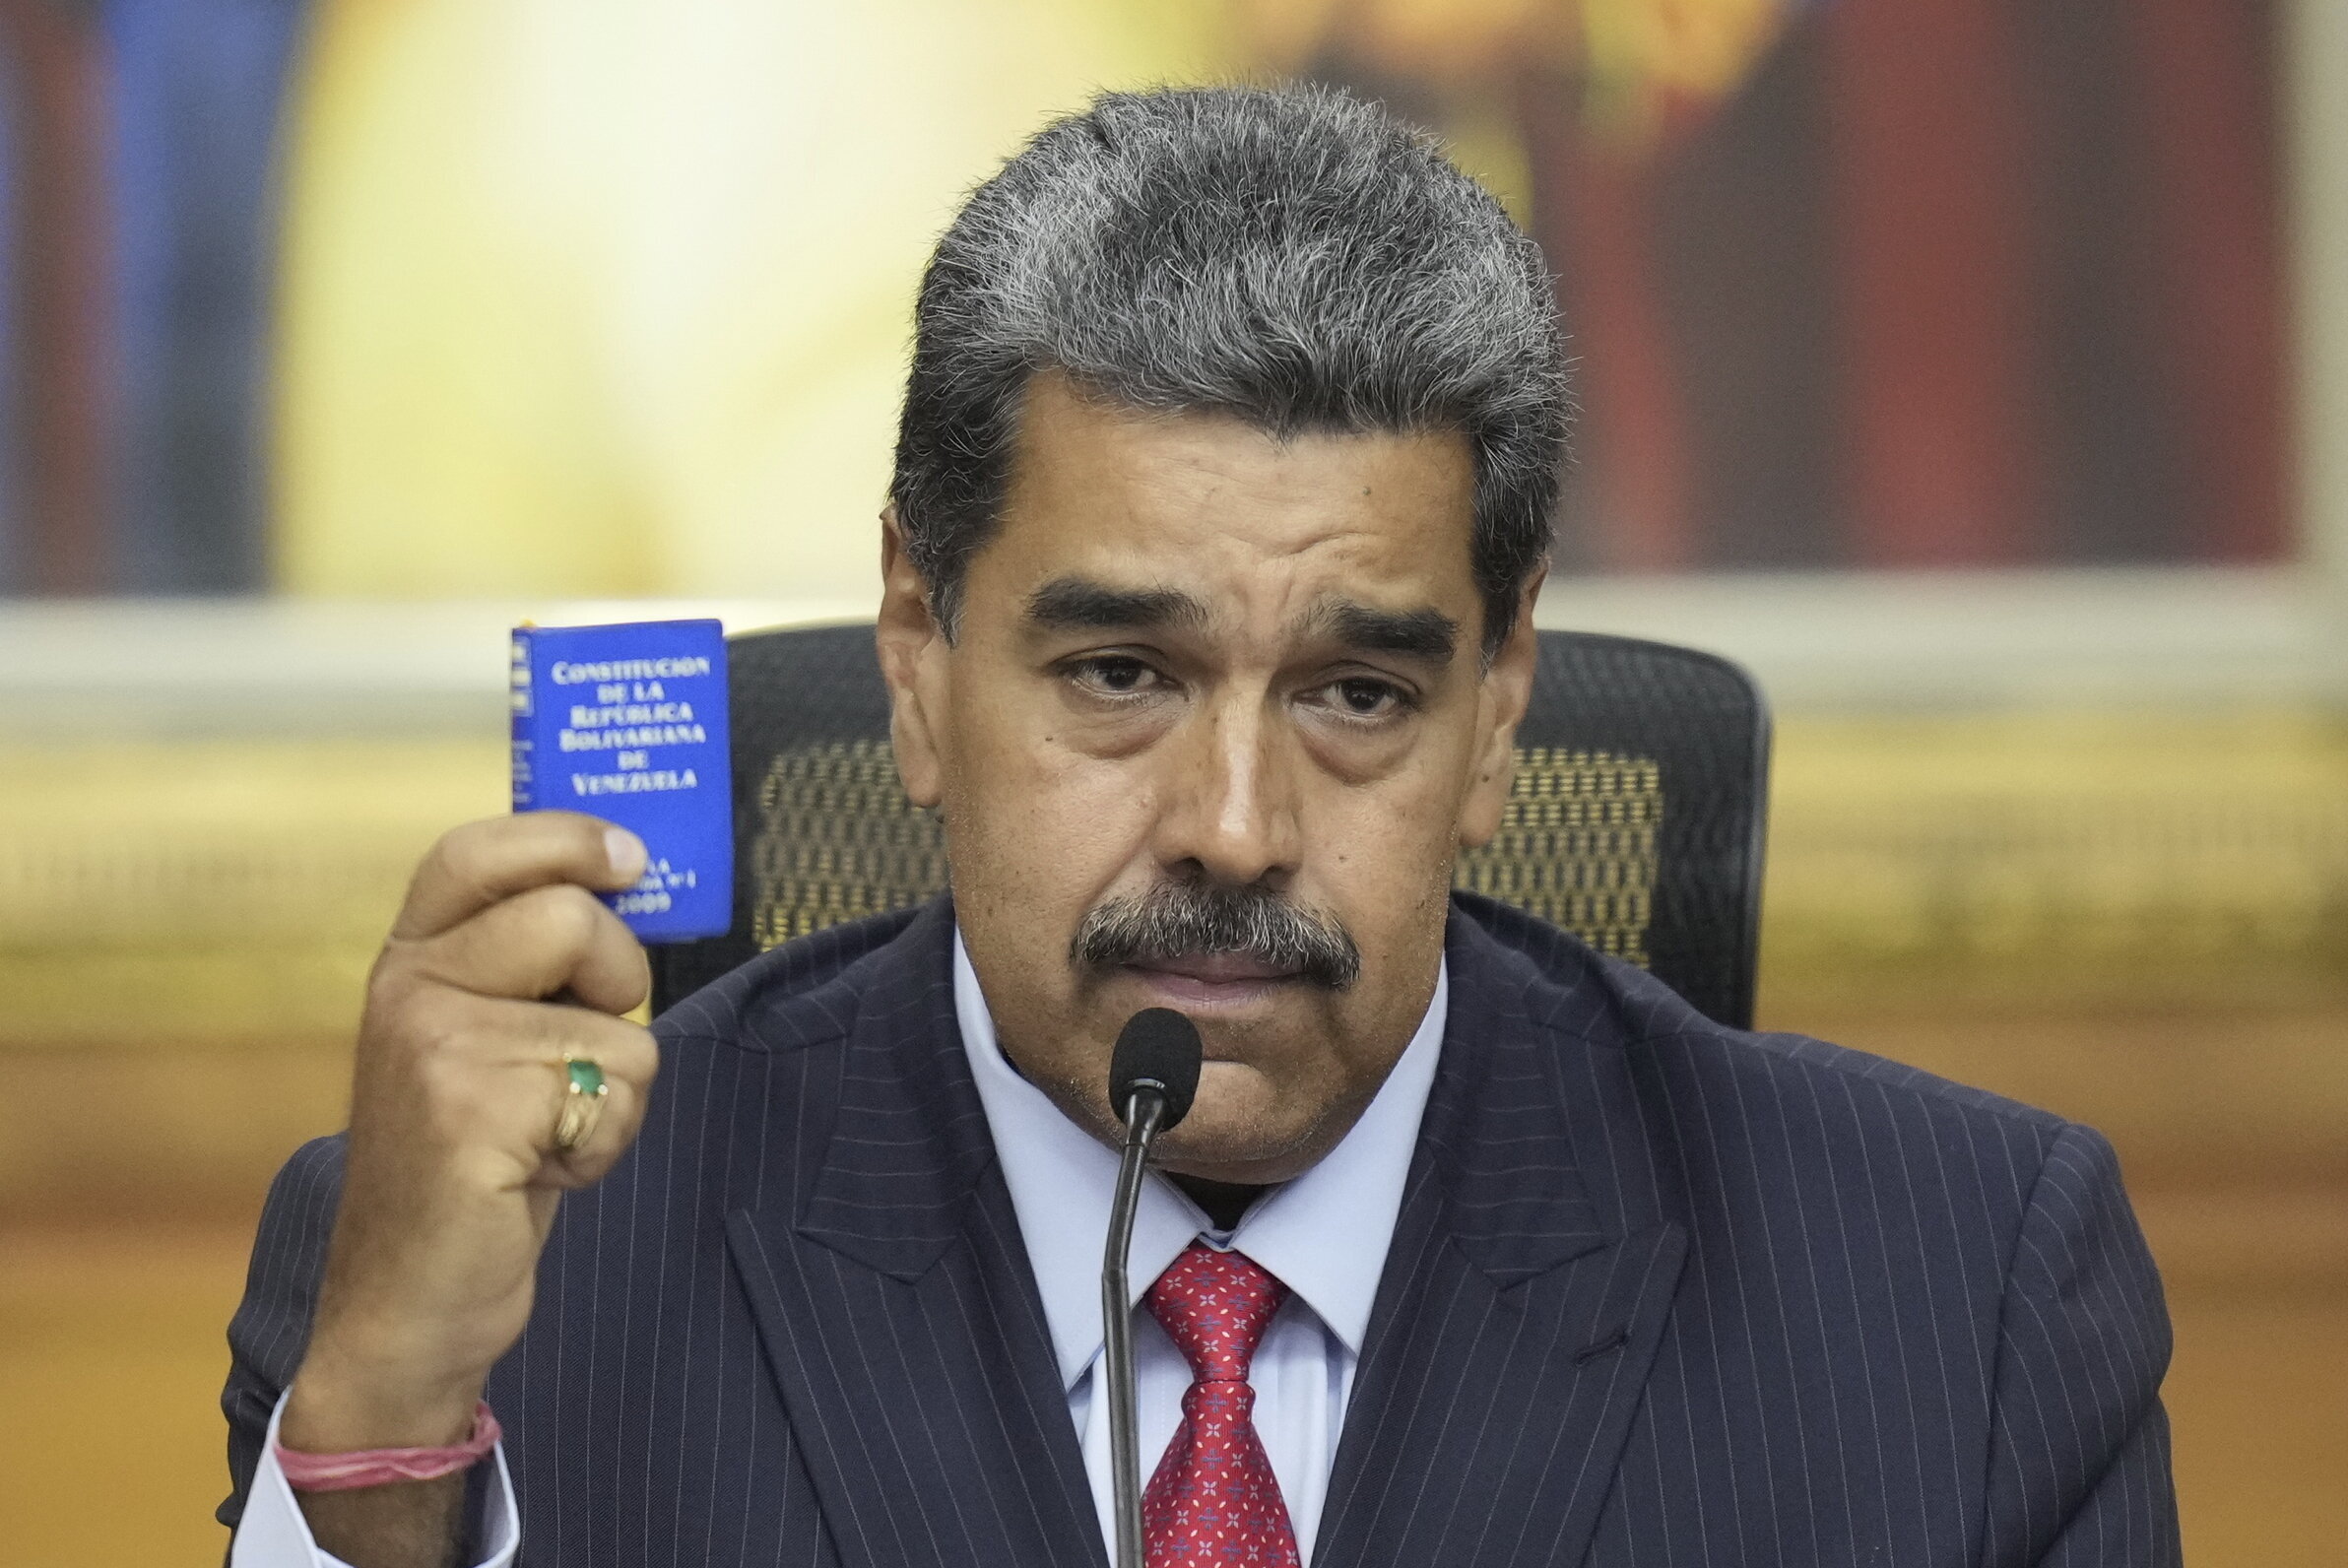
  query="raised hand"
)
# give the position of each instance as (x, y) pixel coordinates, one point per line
(502, 965)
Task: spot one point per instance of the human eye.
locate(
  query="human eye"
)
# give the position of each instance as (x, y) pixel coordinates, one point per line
(1362, 698)
(1113, 675)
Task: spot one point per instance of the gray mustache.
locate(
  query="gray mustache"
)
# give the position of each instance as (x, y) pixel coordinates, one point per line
(1177, 920)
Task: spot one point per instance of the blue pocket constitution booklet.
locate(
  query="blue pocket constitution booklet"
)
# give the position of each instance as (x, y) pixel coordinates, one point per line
(628, 723)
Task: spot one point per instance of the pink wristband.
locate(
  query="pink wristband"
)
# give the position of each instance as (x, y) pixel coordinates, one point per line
(381, 1467)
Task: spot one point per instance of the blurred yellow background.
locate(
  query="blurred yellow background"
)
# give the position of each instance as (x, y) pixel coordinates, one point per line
(599, 308)
(583, 299)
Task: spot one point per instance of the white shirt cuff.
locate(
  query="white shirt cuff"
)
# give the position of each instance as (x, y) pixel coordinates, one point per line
(275, 1534)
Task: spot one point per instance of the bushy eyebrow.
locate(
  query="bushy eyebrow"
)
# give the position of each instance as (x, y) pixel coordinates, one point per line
(1426, 633)
(1079, 604)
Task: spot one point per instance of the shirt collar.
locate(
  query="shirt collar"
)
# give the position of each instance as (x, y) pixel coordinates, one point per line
(1325, 1234)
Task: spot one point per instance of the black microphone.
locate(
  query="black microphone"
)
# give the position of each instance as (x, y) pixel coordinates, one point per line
(1154, 1076)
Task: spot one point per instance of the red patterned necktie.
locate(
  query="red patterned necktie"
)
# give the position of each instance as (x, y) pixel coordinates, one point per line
(1215, 1502)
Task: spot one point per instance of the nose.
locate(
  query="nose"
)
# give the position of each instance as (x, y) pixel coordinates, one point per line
(1230, 794)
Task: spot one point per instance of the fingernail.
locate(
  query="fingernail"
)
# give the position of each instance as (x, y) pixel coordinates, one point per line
(625, 851)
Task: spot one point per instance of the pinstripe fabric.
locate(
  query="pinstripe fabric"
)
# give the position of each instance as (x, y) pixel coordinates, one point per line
(1659, 1293)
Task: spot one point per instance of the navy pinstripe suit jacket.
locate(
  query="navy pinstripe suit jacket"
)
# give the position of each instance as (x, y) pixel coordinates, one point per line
(1659, 1292)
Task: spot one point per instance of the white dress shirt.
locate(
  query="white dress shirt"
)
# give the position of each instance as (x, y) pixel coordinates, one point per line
(1325, 1235)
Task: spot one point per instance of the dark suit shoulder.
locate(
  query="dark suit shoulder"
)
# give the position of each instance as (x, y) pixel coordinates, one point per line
(808, 990)
(1933, 1298)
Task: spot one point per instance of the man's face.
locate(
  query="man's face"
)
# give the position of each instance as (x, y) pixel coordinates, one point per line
(1211, 730)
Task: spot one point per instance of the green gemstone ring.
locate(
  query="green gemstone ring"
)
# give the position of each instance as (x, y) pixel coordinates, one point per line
(584, 1094)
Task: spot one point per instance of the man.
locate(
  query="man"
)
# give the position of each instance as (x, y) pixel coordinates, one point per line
(1221, 503)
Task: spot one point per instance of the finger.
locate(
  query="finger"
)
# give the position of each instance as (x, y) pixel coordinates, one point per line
(539, 943)
(494, 1072)
(505, 1040)
(611, 1127)
(482, 863)
(628, 1060)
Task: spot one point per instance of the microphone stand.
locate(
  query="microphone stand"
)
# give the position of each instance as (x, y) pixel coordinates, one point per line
(1144, 1111)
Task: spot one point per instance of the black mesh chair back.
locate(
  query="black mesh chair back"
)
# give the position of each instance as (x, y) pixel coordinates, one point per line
(1636, 820)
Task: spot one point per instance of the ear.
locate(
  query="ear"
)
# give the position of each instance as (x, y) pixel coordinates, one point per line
(912, 650)
(1507, 690)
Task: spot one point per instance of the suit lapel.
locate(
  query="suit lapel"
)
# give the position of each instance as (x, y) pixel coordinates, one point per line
(897, 1310)
(1514, 1322)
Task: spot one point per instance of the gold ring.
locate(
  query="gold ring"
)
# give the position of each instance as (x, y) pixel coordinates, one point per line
(583, 1094)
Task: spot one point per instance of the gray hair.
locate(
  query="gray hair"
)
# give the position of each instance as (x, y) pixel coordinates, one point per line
(1295, 257)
